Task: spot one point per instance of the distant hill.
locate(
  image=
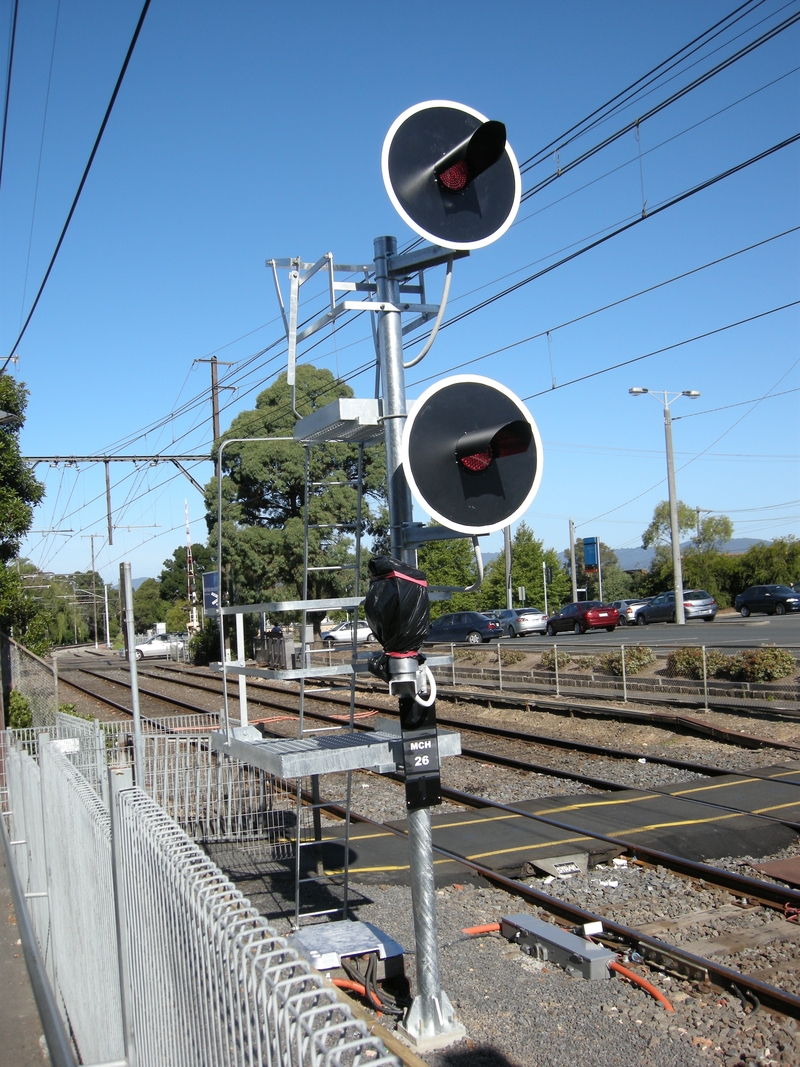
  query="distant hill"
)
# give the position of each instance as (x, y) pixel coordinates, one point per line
(640, 559)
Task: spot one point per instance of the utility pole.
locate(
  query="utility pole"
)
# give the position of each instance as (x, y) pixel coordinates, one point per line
(215, 363)
(191, 583)
(91, 538)
(677, 568)
(507, 550)
(573, 572)
(105, 605)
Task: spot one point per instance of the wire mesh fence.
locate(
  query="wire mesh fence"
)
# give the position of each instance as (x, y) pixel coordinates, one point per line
(151, 951)
(33, 679)
(580, 667)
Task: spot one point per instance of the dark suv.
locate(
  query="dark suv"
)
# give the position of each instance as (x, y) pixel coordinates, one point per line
(468, 626)
(772, 599)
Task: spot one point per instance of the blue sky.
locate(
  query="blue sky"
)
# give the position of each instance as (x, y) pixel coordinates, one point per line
(249, 130)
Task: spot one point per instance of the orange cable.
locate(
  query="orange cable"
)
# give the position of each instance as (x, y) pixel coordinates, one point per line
(638, 980)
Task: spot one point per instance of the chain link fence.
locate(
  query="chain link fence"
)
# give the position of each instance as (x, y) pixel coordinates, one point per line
(35, 680)
(153, 955)
(579, 667)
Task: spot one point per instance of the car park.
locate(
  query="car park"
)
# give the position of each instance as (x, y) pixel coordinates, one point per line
(769, 599)
(520, 622)
(343, 634)
(469, 626)
(627, 609)
(581, 616)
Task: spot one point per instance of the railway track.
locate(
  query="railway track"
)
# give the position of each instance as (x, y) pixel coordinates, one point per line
(755, 892)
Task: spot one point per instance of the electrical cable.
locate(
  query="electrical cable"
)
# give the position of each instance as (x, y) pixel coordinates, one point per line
(85, 175)
(10, 66)
(12, 40)
(663, 206)
(440, 315)
(666, 348)
(601, 113)
(741, 403)
(613, 304)
(701, 79)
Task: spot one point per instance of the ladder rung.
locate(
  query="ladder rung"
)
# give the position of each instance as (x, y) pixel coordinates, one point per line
(331, 526)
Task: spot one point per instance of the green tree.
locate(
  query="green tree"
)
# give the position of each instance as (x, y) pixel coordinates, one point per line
(20, 492)
(527, 556)
(775, 563)
(714, 532)
(148, 607)
(173, 575)
(658, 532)
(177, 617)
(450, 563)
(263, 498)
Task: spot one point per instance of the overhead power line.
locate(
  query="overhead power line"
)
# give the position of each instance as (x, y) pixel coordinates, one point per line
(8, 86)
(666, 348)
(85, 175)
(663, 206)
(628, 94)
(745, 50)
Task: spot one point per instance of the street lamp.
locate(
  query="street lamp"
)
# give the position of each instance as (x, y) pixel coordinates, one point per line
(675, 536)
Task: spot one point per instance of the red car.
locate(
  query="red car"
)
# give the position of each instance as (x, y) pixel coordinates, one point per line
(582, 616)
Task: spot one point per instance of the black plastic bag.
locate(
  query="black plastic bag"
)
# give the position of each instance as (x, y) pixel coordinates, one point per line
(396, 605)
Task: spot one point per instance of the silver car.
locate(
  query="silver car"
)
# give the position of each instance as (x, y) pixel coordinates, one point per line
(343, 634)
(159, 645)
(627, 610)
(698, 604)
(520, 622)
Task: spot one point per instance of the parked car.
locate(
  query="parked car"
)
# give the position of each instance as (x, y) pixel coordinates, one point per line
(468, 626)
(343, 634)
(772, 599)
(583, 615)
(697, 604)
(159, 645)
(519, 622)
(627, 609)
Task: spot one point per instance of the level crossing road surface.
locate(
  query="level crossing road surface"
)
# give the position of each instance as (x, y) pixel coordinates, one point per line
(725, 631)
(20, 1029)
(734, 815)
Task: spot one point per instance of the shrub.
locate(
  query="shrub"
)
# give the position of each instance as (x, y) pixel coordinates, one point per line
(19, 711)
(509, 656)
(548, 660)
(637, 657)
(204, 646)
(587, 663)
(762, 664)
(688, 663)
(69, 709)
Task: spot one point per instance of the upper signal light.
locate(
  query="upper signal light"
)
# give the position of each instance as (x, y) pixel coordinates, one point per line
(451, 174)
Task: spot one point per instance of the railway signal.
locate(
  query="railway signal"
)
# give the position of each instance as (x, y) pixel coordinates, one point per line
(472, 454)
(451, 174)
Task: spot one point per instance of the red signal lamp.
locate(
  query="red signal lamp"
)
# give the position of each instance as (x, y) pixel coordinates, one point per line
(475, 451)
(472, 157)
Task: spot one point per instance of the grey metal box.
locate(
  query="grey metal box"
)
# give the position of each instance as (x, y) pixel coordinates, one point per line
(551, 944)
(324, 945)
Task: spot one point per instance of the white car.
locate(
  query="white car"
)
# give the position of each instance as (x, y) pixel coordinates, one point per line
(159, 645)
(519, 622)
(343, 634)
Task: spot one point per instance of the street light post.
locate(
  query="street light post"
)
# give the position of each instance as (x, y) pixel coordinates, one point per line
(674, 529)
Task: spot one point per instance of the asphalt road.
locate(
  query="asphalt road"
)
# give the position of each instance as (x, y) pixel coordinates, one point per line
(727, 631)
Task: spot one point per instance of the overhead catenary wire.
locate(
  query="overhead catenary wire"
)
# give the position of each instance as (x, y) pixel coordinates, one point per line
(745, 50)
(622, 97)
(9, 68)
(82, 182)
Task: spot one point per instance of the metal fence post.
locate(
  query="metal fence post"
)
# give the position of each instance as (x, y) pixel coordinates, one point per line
(705, 679)
(453, 664)
(555, 665)
(101, 770)
(119, 778)
(499, 667)
(55, 680)
(126, 589)
(624, 678)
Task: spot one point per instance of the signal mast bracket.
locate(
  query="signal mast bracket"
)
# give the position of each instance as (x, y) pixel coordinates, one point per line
(405, 266)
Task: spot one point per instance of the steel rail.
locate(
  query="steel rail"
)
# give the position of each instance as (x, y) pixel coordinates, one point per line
(659, 719)
(769, 996)
(741, 885)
